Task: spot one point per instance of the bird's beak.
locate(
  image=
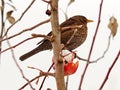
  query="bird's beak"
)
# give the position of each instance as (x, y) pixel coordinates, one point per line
(89, 21)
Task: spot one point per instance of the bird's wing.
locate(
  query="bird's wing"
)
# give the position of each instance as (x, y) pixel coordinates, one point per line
(67, 23)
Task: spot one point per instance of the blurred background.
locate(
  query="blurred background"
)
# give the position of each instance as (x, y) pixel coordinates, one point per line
(10, 77)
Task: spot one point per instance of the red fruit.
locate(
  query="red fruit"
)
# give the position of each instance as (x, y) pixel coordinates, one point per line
(70, 67)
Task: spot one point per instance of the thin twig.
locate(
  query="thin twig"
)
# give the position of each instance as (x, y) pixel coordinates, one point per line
(72, 36)
(108, 45)
(19, 68)
(45, 77)
(41, 72)
(40, 35)
(109, 71)
(14, 46)
(19, 17)
(33, 36)
(67, 80)
(2, 19)
(37, 78)
(25, 30)
(82, 59)
(93, 41)
(30, 82)
(71, 27)
(2, 24)
(13, 55)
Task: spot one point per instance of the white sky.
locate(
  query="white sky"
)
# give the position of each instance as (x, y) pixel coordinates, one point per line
(10, 77)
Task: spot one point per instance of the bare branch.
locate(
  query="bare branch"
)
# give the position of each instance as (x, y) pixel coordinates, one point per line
(59, 70)
(106, 50)
(28, 83)
(93, 41)
(109, 71)
(68, 42)
(37, 78)
(17, 44)
(25, 30)
(42, 73)
(2, 18)
(20, 17)
(19, 68)
(2, 24)
(45, 77)
(67, 80)
(71, 27)
(33, 36)
(40, 35)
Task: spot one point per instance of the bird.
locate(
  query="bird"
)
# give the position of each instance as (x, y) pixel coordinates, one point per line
(78, 38)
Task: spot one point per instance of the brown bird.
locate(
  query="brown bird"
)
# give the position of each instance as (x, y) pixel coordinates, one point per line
(72, 37)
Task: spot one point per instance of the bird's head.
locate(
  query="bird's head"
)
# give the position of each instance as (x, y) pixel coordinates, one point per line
(81, 19)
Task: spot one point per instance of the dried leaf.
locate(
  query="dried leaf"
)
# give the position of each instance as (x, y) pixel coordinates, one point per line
(9, 13)
(70, 2)
(11, 20)
(113, 25)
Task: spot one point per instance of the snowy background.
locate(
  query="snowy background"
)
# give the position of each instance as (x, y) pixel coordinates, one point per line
(10, 77)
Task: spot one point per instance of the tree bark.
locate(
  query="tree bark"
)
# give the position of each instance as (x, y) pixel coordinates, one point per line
(59, 71)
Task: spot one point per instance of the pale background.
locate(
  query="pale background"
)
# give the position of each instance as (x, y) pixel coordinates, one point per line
(10, 77)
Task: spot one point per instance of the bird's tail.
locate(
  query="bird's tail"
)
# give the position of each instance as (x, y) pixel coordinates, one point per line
(42, 47)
